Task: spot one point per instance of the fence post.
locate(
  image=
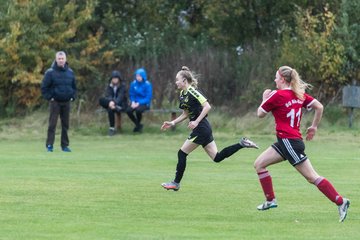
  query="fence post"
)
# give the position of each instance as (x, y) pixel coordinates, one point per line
(351, 99)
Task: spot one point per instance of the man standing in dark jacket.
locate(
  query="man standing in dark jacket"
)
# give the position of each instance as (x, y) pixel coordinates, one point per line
(115, 100)
(59, 88)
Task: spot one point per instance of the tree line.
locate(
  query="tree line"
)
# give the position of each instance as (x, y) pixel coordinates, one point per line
(235, 46)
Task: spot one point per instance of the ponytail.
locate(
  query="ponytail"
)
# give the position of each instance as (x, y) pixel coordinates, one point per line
(297, 85)
(190, 77)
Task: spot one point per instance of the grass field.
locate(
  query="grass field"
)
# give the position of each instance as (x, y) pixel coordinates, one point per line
(109, 188)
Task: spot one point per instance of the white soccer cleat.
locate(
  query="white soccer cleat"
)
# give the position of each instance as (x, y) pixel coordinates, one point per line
(267, 205)
(171, 186)
(343, 209)
(247, 143)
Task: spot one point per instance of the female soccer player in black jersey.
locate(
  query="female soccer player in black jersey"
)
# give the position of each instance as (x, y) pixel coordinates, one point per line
(196, 107)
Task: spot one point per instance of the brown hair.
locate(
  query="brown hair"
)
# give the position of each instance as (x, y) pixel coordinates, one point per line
(297, 85)
(190, 77)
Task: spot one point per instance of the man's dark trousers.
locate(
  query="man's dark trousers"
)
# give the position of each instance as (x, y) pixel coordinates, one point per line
(56, 109)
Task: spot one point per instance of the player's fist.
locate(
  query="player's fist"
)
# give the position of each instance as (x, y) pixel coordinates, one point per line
(193, 124)
(167, 125)
(310, 133)
(266, 94)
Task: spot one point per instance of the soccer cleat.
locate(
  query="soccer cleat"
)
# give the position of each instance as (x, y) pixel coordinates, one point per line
(267, 205)
(66, 149)
(171, 186)
(247, 143)
(50, 148)
(343, 209)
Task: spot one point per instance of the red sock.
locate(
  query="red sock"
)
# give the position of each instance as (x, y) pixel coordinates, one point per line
(266, 184)
(328, 190)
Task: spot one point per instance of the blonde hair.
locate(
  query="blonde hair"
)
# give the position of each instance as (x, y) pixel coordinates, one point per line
(190, 77)
(297, 85)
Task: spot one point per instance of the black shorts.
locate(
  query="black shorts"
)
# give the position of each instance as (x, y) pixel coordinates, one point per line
(291, 150)
(202, 134)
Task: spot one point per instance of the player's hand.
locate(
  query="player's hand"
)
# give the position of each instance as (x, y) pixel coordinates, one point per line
(266, 94)
(310, 133)
(193, 124)
(167, 125)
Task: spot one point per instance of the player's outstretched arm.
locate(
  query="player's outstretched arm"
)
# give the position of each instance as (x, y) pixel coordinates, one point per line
(169, 124)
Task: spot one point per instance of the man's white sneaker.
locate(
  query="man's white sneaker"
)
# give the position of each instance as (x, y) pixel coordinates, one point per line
(343, 208)
(267, 205)
(247, 143)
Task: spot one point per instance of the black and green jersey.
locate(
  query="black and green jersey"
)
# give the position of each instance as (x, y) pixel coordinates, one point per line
(191, 100)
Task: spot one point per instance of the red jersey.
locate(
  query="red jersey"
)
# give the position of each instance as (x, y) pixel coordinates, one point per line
(287, 111)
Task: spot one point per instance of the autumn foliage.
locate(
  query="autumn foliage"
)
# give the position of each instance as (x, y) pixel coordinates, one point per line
(236, 46)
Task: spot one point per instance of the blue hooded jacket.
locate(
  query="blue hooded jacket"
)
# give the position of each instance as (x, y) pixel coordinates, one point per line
(141, 92)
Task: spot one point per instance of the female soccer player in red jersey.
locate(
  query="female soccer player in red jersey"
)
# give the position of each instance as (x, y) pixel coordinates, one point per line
(286, 105)
(196, 107)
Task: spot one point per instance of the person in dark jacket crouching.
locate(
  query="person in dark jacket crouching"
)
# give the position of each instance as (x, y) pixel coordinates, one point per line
(59, 88)
(115, 100)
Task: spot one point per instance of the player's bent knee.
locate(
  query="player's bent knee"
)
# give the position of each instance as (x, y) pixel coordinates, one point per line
(258, 166)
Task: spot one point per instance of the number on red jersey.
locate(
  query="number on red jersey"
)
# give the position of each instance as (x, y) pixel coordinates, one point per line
(294, 117)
